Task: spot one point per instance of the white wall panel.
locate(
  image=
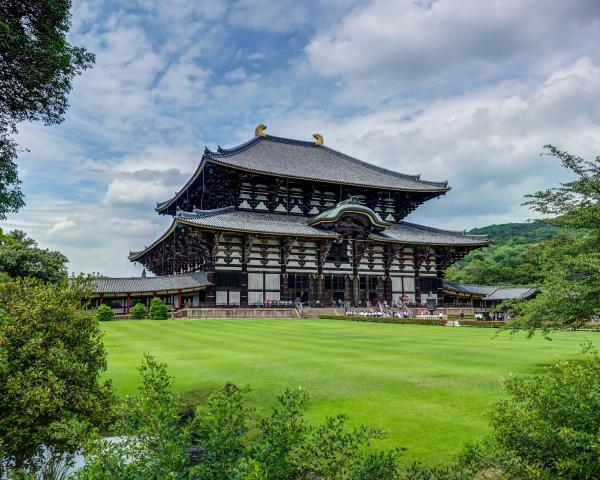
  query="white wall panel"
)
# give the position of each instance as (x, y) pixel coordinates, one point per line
(234, 298)
(255, 281)
(254, 297)
(272, 296)
(221, 298)
(409, 284)
(272, 281)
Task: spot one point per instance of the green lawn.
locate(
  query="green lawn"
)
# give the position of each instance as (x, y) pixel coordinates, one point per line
(428, 387)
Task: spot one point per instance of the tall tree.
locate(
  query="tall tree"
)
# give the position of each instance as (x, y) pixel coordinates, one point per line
(37, 67)
(571, 269)
(51, 359)
(20, 256)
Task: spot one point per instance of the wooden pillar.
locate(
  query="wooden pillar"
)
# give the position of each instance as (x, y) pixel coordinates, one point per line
(101, 298)
(348, 288)
(311, 289)
(179, 299)
(211, 250)
(322, 295)
(127, 304)
(381, 293)
(244, 286)
(211, 275)
(284, 284)
(285, 250)
(419, 256)
(355, 287)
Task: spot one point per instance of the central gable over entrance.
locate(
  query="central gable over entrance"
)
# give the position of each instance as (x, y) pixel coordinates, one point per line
(349, 214)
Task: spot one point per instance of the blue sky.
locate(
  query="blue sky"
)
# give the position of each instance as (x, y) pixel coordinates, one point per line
(463, 90)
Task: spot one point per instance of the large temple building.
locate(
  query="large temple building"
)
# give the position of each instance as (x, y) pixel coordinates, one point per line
(278, 220)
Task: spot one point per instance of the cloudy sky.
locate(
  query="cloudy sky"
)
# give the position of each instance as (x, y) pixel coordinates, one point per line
(463, 90)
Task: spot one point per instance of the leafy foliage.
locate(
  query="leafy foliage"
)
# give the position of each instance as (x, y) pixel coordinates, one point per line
(37, 67)
(518, 233)
(226, 439)
(515, 257)
(104, 313)
(571, 268)
(158, 309)
(549, 428)
(51, 357)
(138, 311)
(152, 442)
(20, 256)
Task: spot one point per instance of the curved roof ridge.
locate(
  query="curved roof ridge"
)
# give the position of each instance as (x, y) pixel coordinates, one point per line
(224, 152)
(198, 213)
(434, 229)
(155, 276)
(414, 178)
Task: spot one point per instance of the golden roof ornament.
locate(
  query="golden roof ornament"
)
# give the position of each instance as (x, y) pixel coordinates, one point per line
(259, 131)
(319, 138)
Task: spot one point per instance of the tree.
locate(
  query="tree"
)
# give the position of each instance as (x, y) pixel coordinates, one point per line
(51, 358)
(549, 428)
(37, 67)
(138, 311)
(513, 259)
(158, 309)
(20, 256)
(570, 289)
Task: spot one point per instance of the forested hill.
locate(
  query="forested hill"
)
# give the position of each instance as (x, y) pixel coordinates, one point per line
(517, 233)
(514, 258)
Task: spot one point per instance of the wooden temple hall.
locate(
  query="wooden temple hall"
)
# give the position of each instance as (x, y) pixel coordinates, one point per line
(278, 220)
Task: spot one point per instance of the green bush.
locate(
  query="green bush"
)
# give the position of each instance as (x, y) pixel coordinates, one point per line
(138, 311)
(158, 309)
(546, 429)
(227, 439)
(104, 313)
(51, 364)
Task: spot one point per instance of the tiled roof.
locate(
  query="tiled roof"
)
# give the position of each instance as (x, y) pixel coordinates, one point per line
(307, 160)
(491, 292)
(412, 233)
(230, 219)
(253, 222)
(151, 284)
(482, 290)
(508, 293)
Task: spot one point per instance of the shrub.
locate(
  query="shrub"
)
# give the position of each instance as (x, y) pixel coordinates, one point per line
(227, 439)
(547, 428)
(138, 311)
(51, 360)
(104, 313)
(158, 309)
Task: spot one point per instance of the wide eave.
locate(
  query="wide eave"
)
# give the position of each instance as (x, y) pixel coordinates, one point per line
(279, 224)
(301, 160)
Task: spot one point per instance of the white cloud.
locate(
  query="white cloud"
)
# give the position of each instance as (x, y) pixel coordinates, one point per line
(130, 190)
(388, 46)
(467, 91)
(65, 224)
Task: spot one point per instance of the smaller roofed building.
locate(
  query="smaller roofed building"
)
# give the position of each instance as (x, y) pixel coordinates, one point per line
(483, 296)
(122, 293)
